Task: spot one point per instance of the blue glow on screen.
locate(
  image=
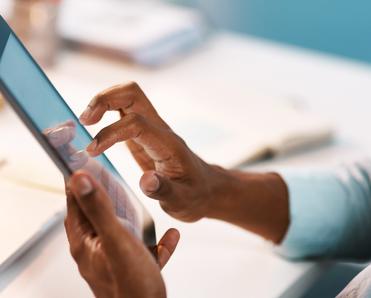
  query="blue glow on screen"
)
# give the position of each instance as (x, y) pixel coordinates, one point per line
(27, 85)
(35, 94)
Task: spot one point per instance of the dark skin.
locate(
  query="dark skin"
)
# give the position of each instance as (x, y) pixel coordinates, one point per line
(114, 262)
(186, 187)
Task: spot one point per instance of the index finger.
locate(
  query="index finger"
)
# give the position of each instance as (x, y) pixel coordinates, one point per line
(125, 98)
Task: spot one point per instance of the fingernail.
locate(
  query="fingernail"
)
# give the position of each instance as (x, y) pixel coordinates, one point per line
(85, 115)
(152, 184)
(93, 145)
(84, 186)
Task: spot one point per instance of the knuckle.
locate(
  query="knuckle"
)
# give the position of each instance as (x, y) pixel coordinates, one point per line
(104, 103)
(76, 252)
(136, 123)
(132, 85)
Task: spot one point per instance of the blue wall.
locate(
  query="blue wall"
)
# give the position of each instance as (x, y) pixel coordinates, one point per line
(342, 27)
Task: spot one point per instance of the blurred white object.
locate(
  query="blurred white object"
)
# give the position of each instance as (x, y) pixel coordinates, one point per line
(35, 21)
(28, 210)
(147, 32)
(233, 127)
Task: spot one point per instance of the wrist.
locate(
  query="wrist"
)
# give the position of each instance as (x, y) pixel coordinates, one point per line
(257, 202)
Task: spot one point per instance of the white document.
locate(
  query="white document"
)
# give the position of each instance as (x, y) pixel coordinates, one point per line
(26, 214)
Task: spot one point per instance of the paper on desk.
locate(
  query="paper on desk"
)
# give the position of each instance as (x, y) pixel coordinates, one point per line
(24, 213)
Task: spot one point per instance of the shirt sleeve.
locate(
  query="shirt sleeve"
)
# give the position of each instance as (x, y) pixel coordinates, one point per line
(330, 212)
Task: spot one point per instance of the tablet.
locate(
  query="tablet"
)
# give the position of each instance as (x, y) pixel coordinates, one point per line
(42, 109)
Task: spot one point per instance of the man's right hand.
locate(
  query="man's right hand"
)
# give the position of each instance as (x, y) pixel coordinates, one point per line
(173, 174)
(187, 187)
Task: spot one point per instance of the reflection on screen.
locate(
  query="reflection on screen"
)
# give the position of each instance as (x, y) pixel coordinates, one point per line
(51, 116)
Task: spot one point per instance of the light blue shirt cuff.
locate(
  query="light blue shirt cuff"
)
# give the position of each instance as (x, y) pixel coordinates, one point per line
(330, 213)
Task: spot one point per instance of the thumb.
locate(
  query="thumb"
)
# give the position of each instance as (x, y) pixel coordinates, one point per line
(156, 186)
(97, 207)
(95, 204)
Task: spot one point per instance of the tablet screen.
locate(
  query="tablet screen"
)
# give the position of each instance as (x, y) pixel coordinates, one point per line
(31, 93)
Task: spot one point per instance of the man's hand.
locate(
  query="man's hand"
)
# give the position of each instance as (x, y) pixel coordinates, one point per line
(174, 175)
(187, 187)
(114, 263)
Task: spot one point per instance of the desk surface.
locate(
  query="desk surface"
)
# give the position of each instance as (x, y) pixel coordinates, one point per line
(214, 259)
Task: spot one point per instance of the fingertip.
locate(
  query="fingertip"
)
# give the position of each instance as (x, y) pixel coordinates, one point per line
(175, 233)
(83, 121)
(170, 240)
(172, 236)
(86, 121)
(167, 246)
(86, 115)
(92, 148)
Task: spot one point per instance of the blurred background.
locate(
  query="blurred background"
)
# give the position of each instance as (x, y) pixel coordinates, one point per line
(337, 27)
(249, 84)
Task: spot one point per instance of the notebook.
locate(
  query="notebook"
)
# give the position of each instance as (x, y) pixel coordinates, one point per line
(236, 127)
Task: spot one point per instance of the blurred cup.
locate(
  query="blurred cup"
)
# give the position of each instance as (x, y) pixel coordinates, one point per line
(35, 23)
